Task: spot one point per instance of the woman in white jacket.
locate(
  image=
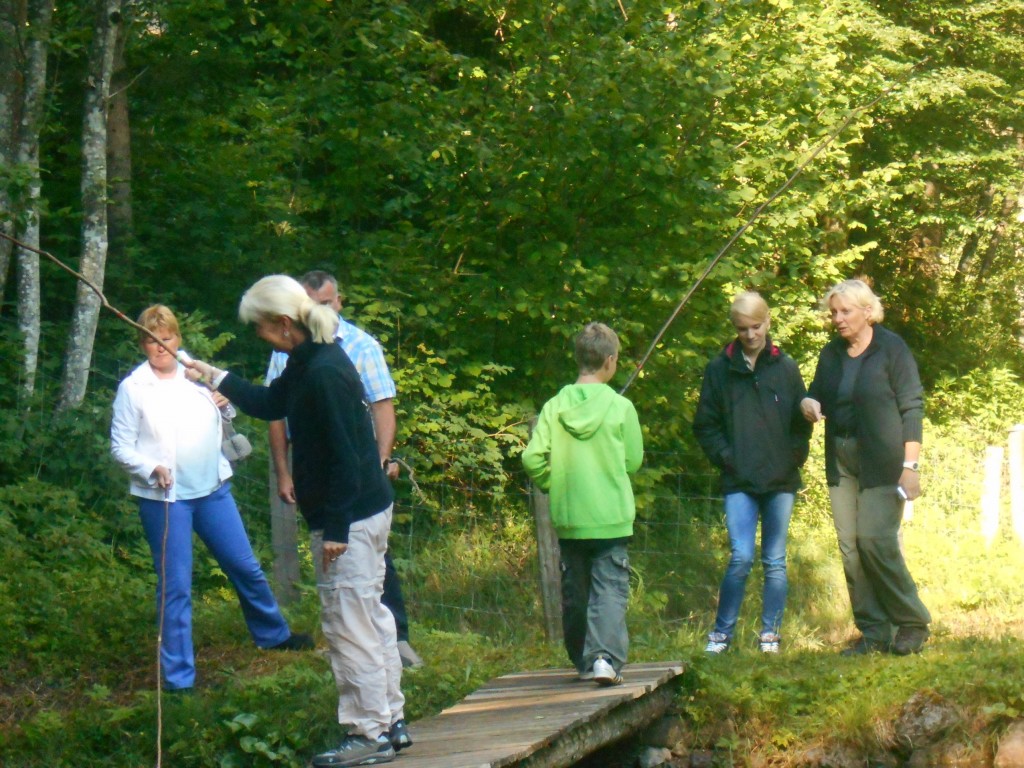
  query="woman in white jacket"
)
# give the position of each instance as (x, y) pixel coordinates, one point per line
(166, 433)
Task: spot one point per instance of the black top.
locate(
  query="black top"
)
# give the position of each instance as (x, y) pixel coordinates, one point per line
(337, 470)
(844, 420)
(888, 405)
(749, 422)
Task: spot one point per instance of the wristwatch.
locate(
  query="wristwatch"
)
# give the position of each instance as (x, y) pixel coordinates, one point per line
(911, 465)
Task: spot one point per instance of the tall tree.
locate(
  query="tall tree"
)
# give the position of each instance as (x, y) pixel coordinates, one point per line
(11, 13)
(24, 72)
(94, 203)
(119, 154)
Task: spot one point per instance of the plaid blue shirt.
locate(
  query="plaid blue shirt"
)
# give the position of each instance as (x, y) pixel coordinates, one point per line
(366, 355)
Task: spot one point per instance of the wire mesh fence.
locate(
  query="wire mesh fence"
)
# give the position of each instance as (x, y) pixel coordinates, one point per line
(466, 551)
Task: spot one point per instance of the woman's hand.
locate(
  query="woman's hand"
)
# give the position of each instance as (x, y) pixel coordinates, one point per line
(219, 400)
(811, 409)
(204, 373)
(910, 482)
(164, 478)
(332, 551)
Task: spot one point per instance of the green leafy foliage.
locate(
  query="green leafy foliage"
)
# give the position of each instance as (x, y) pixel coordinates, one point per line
(57, 596)
(484, 180)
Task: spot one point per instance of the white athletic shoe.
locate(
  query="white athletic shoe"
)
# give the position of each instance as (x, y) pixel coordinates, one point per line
(604, 672)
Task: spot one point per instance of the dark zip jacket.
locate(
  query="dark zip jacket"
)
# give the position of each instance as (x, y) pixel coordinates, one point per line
(888, 405)
(749, 422)
(337, 470)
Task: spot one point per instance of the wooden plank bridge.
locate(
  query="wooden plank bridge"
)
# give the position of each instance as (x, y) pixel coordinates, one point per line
(545, 719)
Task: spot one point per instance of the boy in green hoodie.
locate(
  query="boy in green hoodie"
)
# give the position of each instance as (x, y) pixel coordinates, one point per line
(586, 444)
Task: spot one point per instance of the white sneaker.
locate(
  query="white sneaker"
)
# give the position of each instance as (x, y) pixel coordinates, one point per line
(769, 642)
(604, 672)
(718, 642)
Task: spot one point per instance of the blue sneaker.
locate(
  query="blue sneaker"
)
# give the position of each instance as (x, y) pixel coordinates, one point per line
(357, 750)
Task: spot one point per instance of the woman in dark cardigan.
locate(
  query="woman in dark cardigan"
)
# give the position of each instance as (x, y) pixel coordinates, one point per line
(867, 387)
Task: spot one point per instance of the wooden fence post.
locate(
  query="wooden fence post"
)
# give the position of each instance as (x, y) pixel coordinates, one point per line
(1016, 459)
(990, 493)
(549, 558)
(284, 542)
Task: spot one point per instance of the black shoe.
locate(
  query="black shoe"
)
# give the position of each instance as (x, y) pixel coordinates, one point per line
(297, 641)
(862, 646)
(910, 640)
(398, 735)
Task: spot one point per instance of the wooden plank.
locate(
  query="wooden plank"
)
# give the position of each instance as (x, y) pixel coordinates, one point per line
(542, 719)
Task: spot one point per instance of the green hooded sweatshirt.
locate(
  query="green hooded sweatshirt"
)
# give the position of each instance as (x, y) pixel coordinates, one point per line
(586, 443)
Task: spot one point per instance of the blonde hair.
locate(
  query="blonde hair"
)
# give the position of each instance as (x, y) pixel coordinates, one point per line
(859, 294)
(749, 304)
(277, 296)
(594, 344)
(156, 317)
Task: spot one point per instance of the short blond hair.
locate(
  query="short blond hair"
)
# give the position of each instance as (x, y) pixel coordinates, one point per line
(595, 344)
(277, 296)
(749, 304)
(156, 317)
(858, 293)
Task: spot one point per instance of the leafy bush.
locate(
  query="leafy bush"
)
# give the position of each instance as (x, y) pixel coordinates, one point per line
(75, 606)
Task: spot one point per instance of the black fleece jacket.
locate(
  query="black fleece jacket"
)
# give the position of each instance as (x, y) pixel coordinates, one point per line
(749, 422)
(337, 469)
(888, 405)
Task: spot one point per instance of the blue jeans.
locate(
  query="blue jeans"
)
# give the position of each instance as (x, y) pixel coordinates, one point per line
(741, 514)
(216, 520)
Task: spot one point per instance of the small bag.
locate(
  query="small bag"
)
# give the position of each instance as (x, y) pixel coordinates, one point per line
(235, 447)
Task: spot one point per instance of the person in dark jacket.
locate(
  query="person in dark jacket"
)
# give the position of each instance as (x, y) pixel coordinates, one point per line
(867, 388)
(749, 424)
(346, 499)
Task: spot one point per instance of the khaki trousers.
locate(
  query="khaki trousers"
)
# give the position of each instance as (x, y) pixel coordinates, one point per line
(882, 592)
(360, 631)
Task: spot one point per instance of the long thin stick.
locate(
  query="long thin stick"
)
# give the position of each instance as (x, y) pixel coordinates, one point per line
(160, 631)
(757, 212)
(92, 286)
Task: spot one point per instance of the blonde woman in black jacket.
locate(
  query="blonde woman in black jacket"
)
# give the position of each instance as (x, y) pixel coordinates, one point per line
(347, 501)
(867, 388)
(749, 424)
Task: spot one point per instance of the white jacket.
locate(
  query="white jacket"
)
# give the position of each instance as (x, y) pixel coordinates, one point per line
(169, 422)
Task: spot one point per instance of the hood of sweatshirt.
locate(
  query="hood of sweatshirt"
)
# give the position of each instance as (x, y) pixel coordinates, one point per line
(582, 408)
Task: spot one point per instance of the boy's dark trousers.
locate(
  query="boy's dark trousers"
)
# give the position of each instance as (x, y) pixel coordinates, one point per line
(595, 594)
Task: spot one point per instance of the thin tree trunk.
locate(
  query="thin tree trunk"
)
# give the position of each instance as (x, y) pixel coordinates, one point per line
(970, 249)
(119, 156)
(40, 15)
(93, 263)
(11, 15)
(996, 240)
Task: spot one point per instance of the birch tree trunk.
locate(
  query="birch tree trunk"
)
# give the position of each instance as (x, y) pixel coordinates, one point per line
(94, 204)
(36, 48)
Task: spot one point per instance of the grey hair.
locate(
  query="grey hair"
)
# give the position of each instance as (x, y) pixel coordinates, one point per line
(317, 278)
(277, 296)
(859, 294)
